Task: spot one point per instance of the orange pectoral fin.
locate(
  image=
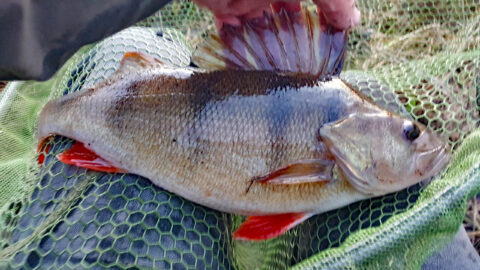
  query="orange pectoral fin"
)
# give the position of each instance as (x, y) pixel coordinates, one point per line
(257, 228)
(80, 156)
(304, 171)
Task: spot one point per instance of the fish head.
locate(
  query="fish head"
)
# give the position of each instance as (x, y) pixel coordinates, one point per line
(381, 152)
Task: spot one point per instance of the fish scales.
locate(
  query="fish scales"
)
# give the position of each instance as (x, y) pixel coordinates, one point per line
(205, 135)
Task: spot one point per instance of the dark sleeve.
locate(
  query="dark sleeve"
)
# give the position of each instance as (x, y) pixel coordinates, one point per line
(38, 36)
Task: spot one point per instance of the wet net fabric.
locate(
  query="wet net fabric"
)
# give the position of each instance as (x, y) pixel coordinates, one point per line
(420, 58)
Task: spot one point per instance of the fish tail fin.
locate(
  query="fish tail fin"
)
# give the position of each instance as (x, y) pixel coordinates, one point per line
(286, 39)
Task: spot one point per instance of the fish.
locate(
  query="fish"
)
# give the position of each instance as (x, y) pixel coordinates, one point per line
(277, 145)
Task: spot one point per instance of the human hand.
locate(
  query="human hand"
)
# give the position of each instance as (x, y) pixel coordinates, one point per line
(341, 14)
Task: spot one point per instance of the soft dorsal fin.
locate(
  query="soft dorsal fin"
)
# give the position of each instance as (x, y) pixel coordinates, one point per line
(286, 40)
(134, 61)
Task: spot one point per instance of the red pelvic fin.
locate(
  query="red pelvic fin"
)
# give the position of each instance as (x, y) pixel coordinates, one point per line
(80, 156)
(42, 146)
(257, 228)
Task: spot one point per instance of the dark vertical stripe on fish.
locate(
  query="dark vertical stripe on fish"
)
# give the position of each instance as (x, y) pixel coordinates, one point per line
(208, 88)
(280, 119)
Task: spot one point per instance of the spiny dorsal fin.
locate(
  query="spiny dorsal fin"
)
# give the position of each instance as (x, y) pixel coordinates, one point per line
(134, 61)
(286, 41)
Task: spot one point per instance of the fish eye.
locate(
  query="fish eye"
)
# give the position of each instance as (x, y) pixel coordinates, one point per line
(410, 131)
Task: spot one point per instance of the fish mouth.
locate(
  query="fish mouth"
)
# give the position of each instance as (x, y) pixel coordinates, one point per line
(437, 164)
(442, 157)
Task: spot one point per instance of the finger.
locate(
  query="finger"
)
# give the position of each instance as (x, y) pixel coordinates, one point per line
(288, 6)
(221, 20)
(341, 14)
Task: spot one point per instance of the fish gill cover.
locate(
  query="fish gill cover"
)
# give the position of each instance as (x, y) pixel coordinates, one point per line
(60, 216)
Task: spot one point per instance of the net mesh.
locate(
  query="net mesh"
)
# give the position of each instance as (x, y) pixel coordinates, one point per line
(420, 58)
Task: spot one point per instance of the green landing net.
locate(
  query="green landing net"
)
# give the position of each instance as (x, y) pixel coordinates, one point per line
(417, 57)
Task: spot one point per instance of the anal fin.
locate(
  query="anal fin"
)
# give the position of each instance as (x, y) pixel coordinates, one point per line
(80, 156)
(257, 228)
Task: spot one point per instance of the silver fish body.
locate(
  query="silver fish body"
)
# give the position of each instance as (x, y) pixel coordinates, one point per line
(195, 136)
(205, 135)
